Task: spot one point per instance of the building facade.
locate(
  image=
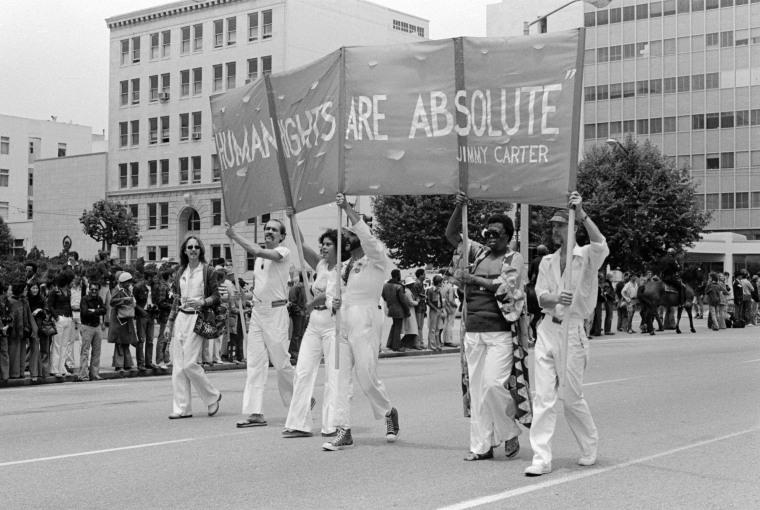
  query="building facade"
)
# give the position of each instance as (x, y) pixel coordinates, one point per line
(684, 74)
(165, 62)
(23, 141)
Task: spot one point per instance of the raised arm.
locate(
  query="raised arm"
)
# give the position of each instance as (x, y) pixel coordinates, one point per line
(252, 248)
(455, 222)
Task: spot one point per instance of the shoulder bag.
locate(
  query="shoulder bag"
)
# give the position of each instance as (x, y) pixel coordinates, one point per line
(212, 320)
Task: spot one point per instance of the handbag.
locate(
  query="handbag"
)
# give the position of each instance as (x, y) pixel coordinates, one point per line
(47, 327)
(211, 321)
(126, 311)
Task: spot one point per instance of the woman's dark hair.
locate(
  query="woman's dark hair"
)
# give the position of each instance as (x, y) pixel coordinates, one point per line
(18, 287)
(183, 260)
(34, 283)
(64, 278)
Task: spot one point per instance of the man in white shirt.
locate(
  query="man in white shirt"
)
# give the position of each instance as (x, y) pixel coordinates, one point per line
(572, 303)
(268, 328)
(629, 300)
(361, 329)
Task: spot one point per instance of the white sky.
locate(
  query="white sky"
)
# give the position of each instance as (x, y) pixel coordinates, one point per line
(54, 53)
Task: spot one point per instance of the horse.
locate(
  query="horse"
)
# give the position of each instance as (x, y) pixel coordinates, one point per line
(695, 277)
(653, 294)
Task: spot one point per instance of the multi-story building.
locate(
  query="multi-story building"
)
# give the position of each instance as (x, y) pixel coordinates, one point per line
(166, 61)
(684, 74)
(22, 142)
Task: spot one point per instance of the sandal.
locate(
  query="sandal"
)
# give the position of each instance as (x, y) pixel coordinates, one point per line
(479, 456)
(252, 420)
(512, 447)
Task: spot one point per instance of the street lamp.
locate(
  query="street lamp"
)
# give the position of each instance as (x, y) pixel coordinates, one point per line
(613, 143)
(542, 19)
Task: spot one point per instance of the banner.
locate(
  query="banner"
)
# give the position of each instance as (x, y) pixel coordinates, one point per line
(390, 120)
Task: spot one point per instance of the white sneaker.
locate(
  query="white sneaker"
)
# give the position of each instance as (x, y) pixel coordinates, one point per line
(162, 366)
(587, 460)
(538, 469)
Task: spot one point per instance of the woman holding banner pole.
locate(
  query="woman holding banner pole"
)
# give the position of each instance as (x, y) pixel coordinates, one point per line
(318, 339)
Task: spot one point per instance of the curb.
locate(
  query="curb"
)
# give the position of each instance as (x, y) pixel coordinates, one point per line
(134, 374)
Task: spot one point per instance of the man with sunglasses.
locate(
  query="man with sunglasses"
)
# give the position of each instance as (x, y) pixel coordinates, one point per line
(494, 298)
(268, 328)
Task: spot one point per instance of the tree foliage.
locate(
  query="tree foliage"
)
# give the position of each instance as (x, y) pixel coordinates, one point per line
(642, 203)
(413, 228)
(110, 223)
(6, 239)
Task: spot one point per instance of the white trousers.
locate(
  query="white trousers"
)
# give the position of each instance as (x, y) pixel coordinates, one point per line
(489, 364)
(61, 344)
(318, 339)
(576, 409)
(185, 348)
(267, 339)
(360, 339)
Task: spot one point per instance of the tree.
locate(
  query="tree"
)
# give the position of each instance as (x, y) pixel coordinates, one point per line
(413, 228)
(6, 239)
(110, 223)
(641, 201)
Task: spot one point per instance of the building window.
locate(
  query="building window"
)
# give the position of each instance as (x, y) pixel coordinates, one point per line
(642, 126)
(726, 200)
(136, 91)
(589, 131)
(756, 199)
(684, 6)
(616, 15)
(218, 33)
(198, 37)
(4, 175)
(698, 82)
(616, 129)
(616, 91)
(216, 212)
(602, 130)
(197, 81)
(184, 83)
(712, 161)
(152, 253)
(163, 251)
(153, 88)
(742, 200)
(124, 52)
(253, 69)
(216, 168)
(166, 43)
(669, 85)
(135, 128)
(589, 93)
(194, 221)
(642, 87)
(754, 117)
(629, 89)
(642, 11)
(589, 19)
(669, 8)
(712, 120)
(712, 201)
(29, 210)
(655, 126)
(669, 47)
(669, 124)
(5, 145)
(629, 51)
(217, 83)
(153, 130)
(629, 13)
(231, 71)
(727, 120)
(250, 261)
(123, 134)
(711, 4)
(164, 210)
(726, 39)
(683, 83)
(124, 92)
(602, 92)
(602, 54)
(154, 46)
(616, 53)
(184, 169)
(266, 24)
(164, 171)
(134, 174)
(742, 118)
(742, 37)
(152, 217)
(122, 175)
(196, 125)
(655, 86)
(196, 161)
(166, 84)
(231, 31)
(133, 210)
(712, 81)
(727, 160)
(266, 64)
(62, 147)
(184, 126)
(253, 26)
(712, 39)
(698, 121)
(30, 183)
(152, 173)
(185, 40)
(165, 129)
(136, 50)
(655, 9)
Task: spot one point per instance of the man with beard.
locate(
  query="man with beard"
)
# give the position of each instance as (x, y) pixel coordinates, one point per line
(360, 329)
(268, 328)
(561, 302)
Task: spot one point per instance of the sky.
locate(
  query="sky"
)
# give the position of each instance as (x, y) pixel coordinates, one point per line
(54, 53)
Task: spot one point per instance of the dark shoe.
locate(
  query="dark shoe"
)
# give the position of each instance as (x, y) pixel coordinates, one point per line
(292, 433)
(141, 368)
(83, 378)
(177, 416)
(121, 372)
(152, 366)
(391, 425)
(342, 440)
(96, 378)
(479, 456)
(214, 408)
(69, 369)
(512, 447)
(609, 333)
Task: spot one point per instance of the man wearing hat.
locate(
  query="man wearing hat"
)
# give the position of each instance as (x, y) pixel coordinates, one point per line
(565, 305)
(669, 270)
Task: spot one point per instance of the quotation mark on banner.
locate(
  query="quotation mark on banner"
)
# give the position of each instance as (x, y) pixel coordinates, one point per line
(570, 73)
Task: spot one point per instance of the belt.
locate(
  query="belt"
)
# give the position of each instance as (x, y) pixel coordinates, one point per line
(320, 307)
(273, 304)
(188, 312)
(556, 320)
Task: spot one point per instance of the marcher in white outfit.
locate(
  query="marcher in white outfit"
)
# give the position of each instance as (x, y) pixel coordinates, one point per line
(268, 328)
(560, 303)
(318, 339)
(360, 329)
(196, 288)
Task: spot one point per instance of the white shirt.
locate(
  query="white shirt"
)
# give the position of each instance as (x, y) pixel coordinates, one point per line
(271, 277)
(629, 291)
(191, 283)
(323, 278)
(586, 263)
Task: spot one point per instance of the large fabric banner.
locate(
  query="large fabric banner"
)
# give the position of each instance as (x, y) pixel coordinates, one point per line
(391, 120)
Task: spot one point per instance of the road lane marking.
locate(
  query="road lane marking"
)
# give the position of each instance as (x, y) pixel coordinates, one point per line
(750, 361)
(613, 380)
(95, 452)
(485, 500)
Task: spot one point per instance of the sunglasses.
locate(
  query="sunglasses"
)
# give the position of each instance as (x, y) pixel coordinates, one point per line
(193, 247)
(491, 234)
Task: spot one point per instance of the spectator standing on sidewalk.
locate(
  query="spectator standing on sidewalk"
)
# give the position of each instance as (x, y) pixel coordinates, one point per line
(93, 310)
(436, 314)
(122, 332)
(397, 309)
(145, 322)
(163, 299)
(40, 313)
(747, 290)
(59, 304)
(409, 329)
(420, 310)
(24, 330)
(629, 299)
(298, 318)
(723, 306)
(755, 299)
(713, 292)
(450, 306)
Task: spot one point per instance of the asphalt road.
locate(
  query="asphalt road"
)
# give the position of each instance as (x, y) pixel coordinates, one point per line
(678, 417)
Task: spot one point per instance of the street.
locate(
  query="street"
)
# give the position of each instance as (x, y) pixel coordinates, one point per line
(678, 418)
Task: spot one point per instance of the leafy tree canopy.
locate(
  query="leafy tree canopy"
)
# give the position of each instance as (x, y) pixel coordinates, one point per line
(110, 223)
(6, 239)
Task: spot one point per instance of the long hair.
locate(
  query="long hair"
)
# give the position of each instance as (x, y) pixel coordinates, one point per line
(183, 259)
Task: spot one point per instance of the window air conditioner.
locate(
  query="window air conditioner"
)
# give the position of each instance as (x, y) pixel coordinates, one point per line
(163, 96)
(196, 136)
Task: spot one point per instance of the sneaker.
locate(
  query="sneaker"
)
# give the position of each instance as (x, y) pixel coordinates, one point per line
(342, 440)
(587, 460)
(538, 469)
(162, 366)
(391, 425)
